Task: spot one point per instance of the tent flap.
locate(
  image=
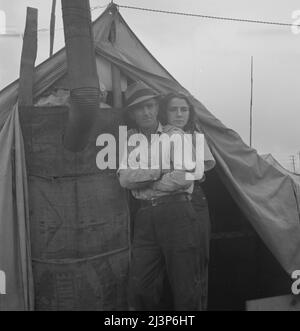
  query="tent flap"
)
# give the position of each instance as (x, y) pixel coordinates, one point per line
(15, 258)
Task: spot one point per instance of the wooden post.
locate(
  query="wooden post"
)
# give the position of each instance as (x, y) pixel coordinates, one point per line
(116, 74)
(116, 83)
(52, 27)
(29, 52)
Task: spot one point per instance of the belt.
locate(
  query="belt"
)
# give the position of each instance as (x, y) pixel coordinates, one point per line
(166, 199)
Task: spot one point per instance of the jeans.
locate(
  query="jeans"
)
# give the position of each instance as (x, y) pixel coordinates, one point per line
(167, 243)
(200, 205)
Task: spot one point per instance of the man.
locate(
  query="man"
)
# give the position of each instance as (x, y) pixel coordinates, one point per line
(166, 228)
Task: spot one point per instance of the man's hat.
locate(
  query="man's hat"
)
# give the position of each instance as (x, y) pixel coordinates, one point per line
(138, 93)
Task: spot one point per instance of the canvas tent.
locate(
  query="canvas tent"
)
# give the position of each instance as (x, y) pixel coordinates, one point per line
(260, 191)
(293, 176)
(270, 159)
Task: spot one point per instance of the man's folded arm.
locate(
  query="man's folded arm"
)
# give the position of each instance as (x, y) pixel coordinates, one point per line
(172, 182)
(138, 178)
(180, 178)
(133, 179)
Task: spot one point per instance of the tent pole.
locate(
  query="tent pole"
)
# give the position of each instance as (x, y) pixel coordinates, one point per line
(28, 57)
(52, 26)
(251, 105)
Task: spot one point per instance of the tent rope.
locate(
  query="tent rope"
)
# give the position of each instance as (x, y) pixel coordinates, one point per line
(220, 18)
(209, 16)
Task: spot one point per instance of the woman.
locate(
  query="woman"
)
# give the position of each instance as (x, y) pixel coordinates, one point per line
(176, 110)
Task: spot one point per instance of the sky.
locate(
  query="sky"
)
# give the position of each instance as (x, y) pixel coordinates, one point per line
(208, 57)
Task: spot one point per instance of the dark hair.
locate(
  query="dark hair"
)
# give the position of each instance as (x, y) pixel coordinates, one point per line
(162, 116)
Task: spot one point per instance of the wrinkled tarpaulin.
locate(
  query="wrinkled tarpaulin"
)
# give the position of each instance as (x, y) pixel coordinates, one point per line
(15, 258)
(295, 177)
(263, 193)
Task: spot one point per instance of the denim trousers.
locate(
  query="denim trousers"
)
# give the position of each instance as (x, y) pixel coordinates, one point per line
(200, 205)
(167, 243)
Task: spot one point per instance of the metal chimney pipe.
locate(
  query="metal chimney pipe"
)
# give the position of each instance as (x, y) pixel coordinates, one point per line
(82, 73)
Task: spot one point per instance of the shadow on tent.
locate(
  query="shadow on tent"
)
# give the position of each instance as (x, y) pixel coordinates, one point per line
(241, 267)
